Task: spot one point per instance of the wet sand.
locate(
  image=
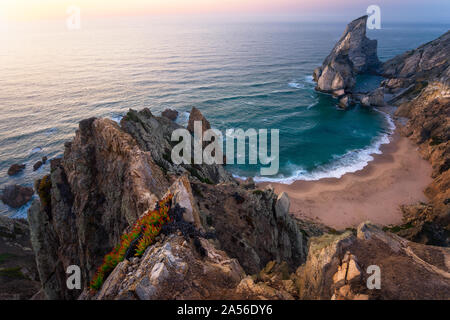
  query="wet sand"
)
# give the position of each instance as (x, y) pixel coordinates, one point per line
(397, 176)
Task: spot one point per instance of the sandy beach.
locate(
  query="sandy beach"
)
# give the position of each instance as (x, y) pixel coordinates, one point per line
(397, 176)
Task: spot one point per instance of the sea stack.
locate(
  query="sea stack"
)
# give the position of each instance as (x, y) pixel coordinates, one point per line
(353, 54)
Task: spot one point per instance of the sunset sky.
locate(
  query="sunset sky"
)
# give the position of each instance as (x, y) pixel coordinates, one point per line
(404, 10)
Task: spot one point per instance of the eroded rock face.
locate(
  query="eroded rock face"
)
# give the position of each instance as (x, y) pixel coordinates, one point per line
(337, 266)
(427, 62)
(16, 196)
(353, 54)
(154, 134)
(428, 126)
(251, 225)
(173, 269)
(101, 186)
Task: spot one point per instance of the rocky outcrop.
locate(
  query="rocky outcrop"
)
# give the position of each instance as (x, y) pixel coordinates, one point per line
(196, 115)
(15, 169)
(353, 54)
(110, 175)
(170, 114)
(177, 267)
(101, 186)
(154, 134)
(16, 196)
(173, 269)
(426, 63)
(338, 267)
(253, 226)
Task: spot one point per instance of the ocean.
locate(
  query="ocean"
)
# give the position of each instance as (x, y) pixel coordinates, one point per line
(240, 75)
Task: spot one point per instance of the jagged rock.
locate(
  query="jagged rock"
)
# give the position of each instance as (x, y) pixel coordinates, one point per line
(429, 62)
(353, 54)
(247, 227)
(196, 115)
(248, 289)
(173, 270)
(101, 186)
(154, 134)
(16, 196)
(182, 192)
(170, 114)
(344, 101)
(282, 205)
(37, 165)
(15, 169)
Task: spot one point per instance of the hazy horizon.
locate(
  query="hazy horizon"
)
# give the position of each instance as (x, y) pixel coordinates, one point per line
(436, 11)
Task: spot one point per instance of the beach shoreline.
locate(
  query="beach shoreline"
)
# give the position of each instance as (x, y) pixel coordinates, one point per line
(397, 176)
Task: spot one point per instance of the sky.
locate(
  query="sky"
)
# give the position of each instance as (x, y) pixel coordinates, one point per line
(392, 10)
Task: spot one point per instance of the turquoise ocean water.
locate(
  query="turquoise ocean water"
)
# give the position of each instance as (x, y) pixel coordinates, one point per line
(240, 75)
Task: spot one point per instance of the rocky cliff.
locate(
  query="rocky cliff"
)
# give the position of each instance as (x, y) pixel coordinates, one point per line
(353, 54)
(228, 239)
(110, 175)
(418, 85)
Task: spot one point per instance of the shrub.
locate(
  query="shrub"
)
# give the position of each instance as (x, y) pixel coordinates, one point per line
(136, 241)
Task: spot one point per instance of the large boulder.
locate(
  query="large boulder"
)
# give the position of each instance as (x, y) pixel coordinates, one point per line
(170, 114)
(16, 196)
(353, 54)
(15, 169)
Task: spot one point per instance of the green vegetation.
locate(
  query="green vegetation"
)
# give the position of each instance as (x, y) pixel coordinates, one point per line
(395, 229)
(142, 235)
(43, 188)
(12, 273)
(436, 141)
(258, 192)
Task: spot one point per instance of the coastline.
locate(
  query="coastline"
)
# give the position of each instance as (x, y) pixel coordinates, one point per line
(395, 177)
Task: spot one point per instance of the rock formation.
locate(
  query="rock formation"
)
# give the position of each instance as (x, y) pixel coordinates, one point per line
(353, 54)
(16, 196)
(15, 169)
(170, 114)
(110, 175)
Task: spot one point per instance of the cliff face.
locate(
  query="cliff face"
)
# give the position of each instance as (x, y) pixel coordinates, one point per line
(102, 185)
(353, 54)
(418, 83)
(111, 175)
